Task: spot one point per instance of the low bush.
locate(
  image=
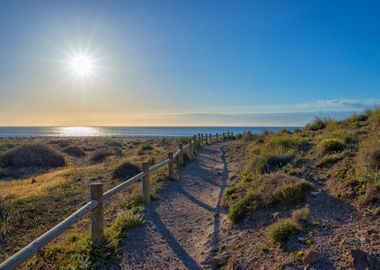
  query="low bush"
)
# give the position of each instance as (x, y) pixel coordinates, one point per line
(300, 216)
(100, 155)
(74, 151)
(267, 163)
(329, 145)
(115, 144)
(282, 230)
(330, 159)
(369, 188)
(32, 155)
(290, 194)
(125, 170)
(369, 155)
(146, 146)
(285, 142)
(239, 209)
(247, 136)
(125, 219)
(317, 124)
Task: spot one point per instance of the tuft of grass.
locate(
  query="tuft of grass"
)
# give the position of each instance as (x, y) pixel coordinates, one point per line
(330, 159)
(32, 155)
(74, 151)
(115, 144)
(300, 216)
(285, 142)
(125, 219)
(290, 194)
(146, 146)
(100, 155)
(247, 136)
(369, 188)
(267, 163)
(317, 124)
(125, 170)
(329, 145)
(369, 155)
(238, 210)
(281, 231)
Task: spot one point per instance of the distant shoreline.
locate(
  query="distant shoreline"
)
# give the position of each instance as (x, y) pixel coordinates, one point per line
(143, 132)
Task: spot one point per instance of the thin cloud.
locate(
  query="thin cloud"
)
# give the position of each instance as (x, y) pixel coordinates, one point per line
(349, 103)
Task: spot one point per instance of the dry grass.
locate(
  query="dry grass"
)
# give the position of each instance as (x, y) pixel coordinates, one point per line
(35, 186)
(33, 204)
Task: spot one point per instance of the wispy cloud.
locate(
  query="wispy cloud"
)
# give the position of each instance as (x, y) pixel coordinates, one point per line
(351, 103)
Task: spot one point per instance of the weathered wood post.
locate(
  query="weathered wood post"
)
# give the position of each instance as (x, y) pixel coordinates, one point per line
(202, 142)
(217, 139)
(97, 214)
(224, 136)
(145, 183)
(180, 156)
(195, 144)
(199, 139)
(232, 135)
(228, 135)
(209, 135)
(190, 150)
(170, 165)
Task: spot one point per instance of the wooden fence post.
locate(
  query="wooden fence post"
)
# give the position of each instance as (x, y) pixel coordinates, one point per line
(209, 135)
(224, 135)
(180, 156)
(190, 150)
(199, 139)
(195, 144)
(202, 142)
(145, 183)
(232, 135)
(170, 165)
(97, 214)
(228, 135)
(217, 139)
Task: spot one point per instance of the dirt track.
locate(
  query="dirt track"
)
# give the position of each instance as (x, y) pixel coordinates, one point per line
(181, 229)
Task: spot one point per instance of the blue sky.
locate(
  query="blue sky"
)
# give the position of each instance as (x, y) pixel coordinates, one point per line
(160, 62)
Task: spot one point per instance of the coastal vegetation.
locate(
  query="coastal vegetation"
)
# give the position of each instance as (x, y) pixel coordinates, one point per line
(42, 180)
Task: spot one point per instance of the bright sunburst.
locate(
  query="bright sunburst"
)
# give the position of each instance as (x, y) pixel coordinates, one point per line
(82, 65)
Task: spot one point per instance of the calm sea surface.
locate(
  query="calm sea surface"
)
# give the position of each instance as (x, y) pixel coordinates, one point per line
(125, 131)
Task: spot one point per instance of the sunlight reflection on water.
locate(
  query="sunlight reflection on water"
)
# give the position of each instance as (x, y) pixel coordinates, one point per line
(78, 131)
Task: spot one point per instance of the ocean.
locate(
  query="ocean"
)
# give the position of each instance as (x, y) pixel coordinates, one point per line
(8, 132)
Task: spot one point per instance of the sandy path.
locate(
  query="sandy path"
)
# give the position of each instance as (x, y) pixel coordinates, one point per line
(181, 229)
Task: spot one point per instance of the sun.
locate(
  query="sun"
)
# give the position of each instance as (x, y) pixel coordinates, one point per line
(82, 65)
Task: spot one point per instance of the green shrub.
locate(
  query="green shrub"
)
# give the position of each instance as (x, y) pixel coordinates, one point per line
(328, 145)
(115, 144)
(369, 155)
(247, 136)
(282, 230)
(125, 219)
(75, 151)
(300, 216)
(317, 124)
(330, 159)
(100, 155)
(285, 142)
(146, 146)
(290, 194)
(369, 188)
(125, 170)
(238, 210)
(267, 163)
(32, 155)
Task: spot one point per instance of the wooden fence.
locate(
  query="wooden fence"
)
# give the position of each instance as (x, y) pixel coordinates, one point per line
(96, 204)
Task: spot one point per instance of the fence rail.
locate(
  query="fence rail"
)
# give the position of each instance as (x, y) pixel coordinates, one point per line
(96, 205)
